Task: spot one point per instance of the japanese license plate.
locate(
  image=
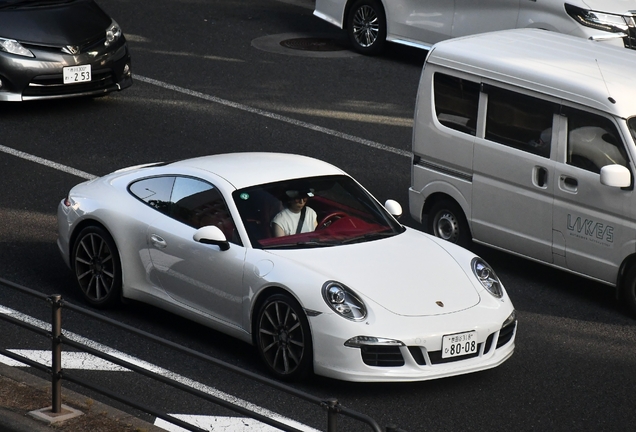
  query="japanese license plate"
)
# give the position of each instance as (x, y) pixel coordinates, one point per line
(459, 344)
(76, 74)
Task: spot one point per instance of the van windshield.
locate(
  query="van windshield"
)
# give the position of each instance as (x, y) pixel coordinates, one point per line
(632, 128)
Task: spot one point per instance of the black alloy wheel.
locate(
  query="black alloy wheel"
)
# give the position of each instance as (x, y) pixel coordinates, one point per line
(366, 26)
(283, 337)
(97, 267)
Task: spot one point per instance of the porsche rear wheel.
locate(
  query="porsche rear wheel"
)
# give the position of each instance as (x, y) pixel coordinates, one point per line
(97, 267)
(283, 337)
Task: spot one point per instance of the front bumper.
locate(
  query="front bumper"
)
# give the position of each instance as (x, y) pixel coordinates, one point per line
(420, 357)
(41, 77)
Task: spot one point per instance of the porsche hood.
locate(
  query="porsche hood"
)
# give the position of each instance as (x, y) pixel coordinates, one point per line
(409, 274)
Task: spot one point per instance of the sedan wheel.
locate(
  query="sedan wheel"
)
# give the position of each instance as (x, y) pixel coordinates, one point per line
(283, 338)
(97, 267)
(366, 26)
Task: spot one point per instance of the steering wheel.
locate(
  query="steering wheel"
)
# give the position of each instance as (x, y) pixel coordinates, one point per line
(329, 219)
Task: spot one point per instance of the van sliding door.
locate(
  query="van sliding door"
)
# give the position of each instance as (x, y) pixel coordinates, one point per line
(513, 176)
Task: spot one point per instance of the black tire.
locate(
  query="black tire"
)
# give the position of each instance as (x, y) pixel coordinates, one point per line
(446, 220)
(283, 338)
(366, 26)
(97, 267)
(628, 290)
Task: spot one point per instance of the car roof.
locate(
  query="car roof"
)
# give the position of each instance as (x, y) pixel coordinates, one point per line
(568, 67)
(254, 168)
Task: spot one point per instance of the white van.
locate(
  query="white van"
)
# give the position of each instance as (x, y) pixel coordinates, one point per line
(524, 140)
(421, 23)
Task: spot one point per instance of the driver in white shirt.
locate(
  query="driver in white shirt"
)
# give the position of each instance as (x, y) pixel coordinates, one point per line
(297, 217)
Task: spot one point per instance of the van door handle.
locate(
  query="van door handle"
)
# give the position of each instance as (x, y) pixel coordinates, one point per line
(568, 184)
(540, 176)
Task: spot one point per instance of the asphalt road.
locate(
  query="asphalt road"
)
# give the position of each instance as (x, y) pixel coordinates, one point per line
(204, 85)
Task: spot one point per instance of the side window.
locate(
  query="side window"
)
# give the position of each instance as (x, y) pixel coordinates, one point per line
(155, 192)
(198, 203)
(519, 121)
(456, 102)
(593, 141)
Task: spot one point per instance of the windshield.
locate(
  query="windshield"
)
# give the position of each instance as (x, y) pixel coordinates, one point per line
(631, 123)
(336, 211)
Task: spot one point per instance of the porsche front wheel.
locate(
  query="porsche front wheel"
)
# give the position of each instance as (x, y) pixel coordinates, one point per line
(97, 267)
(283, 337)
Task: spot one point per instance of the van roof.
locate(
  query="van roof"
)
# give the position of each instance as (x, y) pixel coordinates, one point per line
(568, 67)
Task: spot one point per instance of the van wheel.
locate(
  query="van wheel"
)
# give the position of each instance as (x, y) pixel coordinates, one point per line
(446, 220)
(366, 26)
(628, 290)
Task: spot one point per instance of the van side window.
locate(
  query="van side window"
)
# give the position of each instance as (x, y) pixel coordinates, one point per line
(456, 102)
(593, 141)
(519, 121)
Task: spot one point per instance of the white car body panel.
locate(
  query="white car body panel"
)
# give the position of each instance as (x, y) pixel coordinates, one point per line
(416, 288)
(422, 23)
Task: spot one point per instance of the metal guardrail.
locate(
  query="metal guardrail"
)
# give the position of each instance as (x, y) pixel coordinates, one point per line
(331, 405)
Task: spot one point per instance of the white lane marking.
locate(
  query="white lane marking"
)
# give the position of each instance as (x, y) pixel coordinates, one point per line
(161, 371)
(216, 423)
(70, 360)
(47, 163)
(272, 115)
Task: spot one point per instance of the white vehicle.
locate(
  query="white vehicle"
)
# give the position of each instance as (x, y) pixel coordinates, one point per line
(353, 295)
(524, 140)
(422, 23)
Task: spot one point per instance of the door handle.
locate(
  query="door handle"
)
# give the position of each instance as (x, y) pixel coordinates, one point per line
(540, 177)
(157, 241)
(568, 184)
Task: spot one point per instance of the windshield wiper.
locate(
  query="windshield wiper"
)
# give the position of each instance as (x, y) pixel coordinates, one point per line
(368, 236)
(15, 4)
(302, 243)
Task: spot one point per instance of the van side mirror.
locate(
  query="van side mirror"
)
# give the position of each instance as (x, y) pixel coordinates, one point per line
(616, 176)
(394, 208)
(211, 235)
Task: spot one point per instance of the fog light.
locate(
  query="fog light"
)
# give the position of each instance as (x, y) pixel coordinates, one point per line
(127, 70)
(0, 83)
(360, 341)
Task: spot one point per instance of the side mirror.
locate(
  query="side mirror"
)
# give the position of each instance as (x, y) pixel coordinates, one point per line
(211, 235)
(616, 176)
(393, 207)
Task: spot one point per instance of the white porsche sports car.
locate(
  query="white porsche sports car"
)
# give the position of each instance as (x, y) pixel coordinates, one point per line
(292, 255)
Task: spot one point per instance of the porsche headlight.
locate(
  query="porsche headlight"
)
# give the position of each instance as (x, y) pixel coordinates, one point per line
(344, 301)
(600, 20)
(113, 33)
(487, 277)
(14, 47)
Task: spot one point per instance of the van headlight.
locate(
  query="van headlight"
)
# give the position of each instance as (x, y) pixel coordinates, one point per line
(343, 301)
(487, 277)
(600, 20)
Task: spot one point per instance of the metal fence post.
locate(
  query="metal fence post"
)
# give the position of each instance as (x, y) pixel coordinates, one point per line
(333, 407)
(56, 360)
